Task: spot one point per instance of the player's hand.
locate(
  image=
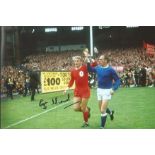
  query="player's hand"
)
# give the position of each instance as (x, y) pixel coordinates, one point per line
(86, 52)
(87, 60)
(65, 91)
(112, 92)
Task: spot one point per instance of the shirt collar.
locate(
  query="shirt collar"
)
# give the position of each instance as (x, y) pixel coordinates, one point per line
(105, 66)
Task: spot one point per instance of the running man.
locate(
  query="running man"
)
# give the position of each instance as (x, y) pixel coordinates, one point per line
(79, 75)
(108, 82)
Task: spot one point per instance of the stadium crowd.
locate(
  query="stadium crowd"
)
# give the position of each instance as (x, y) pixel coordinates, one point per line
(136, 68)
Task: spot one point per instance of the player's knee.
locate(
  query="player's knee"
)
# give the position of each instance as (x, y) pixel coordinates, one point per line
(103, 111)
(76, 108)
(83, 108)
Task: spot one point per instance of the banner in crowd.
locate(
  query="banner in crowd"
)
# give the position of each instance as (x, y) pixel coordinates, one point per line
(54, 81)
(150, 49)
(144, 45)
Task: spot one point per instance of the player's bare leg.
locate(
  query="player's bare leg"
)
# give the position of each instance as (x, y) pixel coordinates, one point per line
(77, 106)
(108, 111)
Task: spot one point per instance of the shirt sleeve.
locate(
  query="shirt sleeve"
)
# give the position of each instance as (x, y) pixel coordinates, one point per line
(90, 69)
(93, 64)
(116, 84)
(70, 84)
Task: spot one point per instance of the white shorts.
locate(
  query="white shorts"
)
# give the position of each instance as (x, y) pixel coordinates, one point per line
(103, 94)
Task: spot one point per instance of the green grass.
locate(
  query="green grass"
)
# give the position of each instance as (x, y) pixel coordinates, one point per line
(134, 109)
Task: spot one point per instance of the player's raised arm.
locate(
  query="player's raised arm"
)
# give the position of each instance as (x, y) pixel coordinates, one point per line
(79, 75)
(88, 60)
(87, 56)
(90, 68)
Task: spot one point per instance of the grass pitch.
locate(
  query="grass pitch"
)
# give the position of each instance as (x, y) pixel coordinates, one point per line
(134, 109)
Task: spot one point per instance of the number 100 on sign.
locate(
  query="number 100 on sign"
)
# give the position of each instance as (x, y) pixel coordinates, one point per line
(54, 81)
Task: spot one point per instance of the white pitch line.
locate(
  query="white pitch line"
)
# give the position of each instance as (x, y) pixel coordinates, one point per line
(14, 124)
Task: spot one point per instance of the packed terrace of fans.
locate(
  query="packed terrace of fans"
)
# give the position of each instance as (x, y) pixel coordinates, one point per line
(130, 59)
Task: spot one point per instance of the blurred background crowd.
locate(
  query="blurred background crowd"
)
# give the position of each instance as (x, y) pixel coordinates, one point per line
(134, 67)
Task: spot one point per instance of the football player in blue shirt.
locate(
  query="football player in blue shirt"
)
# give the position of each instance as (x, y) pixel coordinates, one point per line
(108, 82)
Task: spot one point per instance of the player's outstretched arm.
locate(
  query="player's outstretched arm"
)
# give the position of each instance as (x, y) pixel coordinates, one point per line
(65, 91)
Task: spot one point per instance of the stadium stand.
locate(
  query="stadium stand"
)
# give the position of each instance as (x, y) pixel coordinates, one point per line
(133, 61)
